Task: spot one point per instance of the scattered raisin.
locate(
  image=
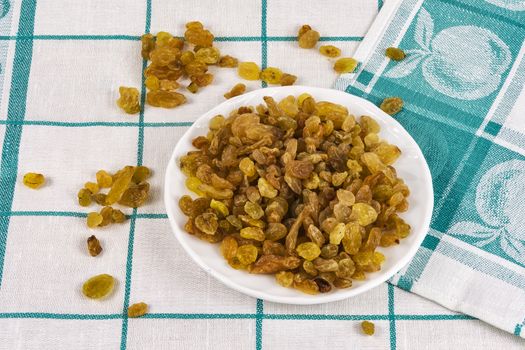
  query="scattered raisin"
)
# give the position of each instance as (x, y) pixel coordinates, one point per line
(395, 53)
(329, 51)
(94, 246)
(345, 65)
(34, 180)
(99, 286)
(392, 105)
(137, 310)
(129, 99)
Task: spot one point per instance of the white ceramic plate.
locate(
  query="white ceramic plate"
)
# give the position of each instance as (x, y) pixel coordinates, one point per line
(411, 166)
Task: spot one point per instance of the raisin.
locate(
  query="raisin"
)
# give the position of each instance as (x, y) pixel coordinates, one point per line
(287, 79)
(99, 198)
(368, 327)
(329, 51)
(193, 88)
(118, 216)
(249, 70)
(207, 223)
(165, 99)
(271, 75)
(392, 105)
(345, 65)
(104, 179)
(208, 55)
(308, 250)
(94, 219)
(148, 44)
(84, 197)
(120, 184)
(99, 286)
(254, 233)
(228, 62)
(107, 216)
(94, 246)
(229, 247)
(92, 187)
(324, 285)
(34, 180)
(247, 254)
(307, 37)
(137, 310)
(284, 278)
(237, 90)
(129, 99)
(395, 53)
(135, 196)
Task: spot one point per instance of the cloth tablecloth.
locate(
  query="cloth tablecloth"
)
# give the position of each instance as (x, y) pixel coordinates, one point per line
(462, 81)
(61, 65)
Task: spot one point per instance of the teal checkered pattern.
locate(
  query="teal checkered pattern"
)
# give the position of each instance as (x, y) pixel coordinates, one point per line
(459, 110)
(15, 125)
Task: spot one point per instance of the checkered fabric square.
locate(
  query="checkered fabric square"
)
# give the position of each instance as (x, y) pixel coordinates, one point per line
(61, 63)
(461, 82)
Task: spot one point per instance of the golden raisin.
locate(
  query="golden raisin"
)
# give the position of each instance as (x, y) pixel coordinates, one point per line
(271, 75)
(148, 44)
(94, 246)
(92, 187)
(368, 327)
(34, 180)
(99, 286)
(287, 79)
(84, 197)
(392, 105)
(165, 99)
(208, 55)
(307, 37)
(228, 62)
(329, 51)
(237, 90)
(142, 173)
(137, 310)
(249, 70)
(345, 65)
(94, 219)
(104, 179)
(395, 53)
(129, 99)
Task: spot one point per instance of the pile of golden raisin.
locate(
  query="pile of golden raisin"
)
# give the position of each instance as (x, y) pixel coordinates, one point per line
(171, 61)
(297, 188)
(127, 187)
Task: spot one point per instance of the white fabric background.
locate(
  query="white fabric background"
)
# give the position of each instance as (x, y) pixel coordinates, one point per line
(73, 81)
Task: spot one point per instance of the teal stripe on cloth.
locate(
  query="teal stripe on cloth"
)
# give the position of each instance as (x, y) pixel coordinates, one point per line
(137, 37)
(391, 317)
(140, 154)
(258, 324)
(15, 111)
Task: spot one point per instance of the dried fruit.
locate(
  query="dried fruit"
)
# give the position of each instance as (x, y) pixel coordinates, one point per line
(254, 233)
(392, 105)
(120, 184)
(237, 90)
(118, 216)
(287, 79)
(198, 36)
(104, 179)
(165, 99)
(246, 254)
(308, 250)
(307, 37)
(94, 219)
(297, 188)
(249, 70)
(135, 196)
(137, 310)
(208, 55)
(329, 51)
(84, 197)
(92, 187)
(368, 327)
(395, 53)
(142, 173)
(129, 99)
(148, 44)
(94, 246)
(284, 278)
(34, 180)
(99, 286)
(228, 62)
(345, 65)
(271, 75)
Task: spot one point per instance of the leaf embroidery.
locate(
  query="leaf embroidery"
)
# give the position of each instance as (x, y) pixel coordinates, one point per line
(424, 29)
(405, 67)
(514, 248)
(472, 229)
